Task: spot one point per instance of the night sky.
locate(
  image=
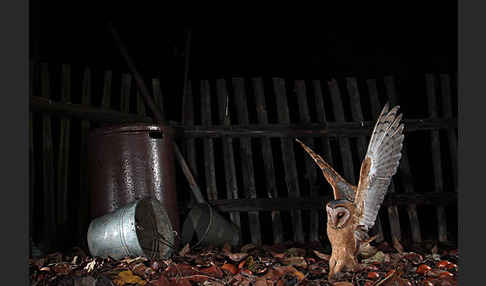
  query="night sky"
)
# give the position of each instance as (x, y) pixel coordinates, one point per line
(400, 37)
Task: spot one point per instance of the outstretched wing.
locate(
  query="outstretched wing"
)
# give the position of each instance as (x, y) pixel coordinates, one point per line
(379, 165)
(341, 188)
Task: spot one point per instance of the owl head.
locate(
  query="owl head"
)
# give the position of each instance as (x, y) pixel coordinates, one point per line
(339, 213)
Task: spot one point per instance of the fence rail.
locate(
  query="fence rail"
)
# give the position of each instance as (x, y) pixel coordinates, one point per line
(237, 136)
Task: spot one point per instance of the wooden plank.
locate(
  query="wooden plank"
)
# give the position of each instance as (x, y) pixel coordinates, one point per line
(267, 154)
(83, 213)
(321, 118)
(288, 157)
(82, 111)
(209, 168)
(140, 104)
(436, 156)
(158, 98)
(188, 120)
(228, 151)
(246, 157)
(49, 210)
(126, 85)
(404, 167)
(106, 96)
(310, 167)
(315, 203)
(63, 155)
(362, 145)
(344, 144)
(445, 84)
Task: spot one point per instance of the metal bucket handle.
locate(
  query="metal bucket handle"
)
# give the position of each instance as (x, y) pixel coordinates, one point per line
(211, 215)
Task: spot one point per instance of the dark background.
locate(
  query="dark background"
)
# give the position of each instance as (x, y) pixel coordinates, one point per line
(370, 39)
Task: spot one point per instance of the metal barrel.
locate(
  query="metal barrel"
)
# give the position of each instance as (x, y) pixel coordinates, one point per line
(129, 162)
(141, 228)
(208, 227)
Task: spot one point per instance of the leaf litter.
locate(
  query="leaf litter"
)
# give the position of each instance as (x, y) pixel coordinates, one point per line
(285, 264)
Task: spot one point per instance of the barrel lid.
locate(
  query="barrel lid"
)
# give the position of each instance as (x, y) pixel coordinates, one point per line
(131, 127)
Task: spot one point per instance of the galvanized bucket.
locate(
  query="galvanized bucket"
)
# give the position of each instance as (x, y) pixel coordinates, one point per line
(141, 228)
(209, 227)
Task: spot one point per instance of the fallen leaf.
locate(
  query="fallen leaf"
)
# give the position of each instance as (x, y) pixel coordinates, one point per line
(90, 266)
(452, 266)
(296, 251)
(366, 250)
(397, 245)
(247, 247)
(435, 249)
(185, 250)
(373, 275)
(423, 269)
(226, 248)
(62, 268)
(213, 271)
(322, 256)
(230, 268)
(446, 274)
(237, 256)
(126, 277)
(242, 264)
(282, 270)
(379, 257)
(162, 281)
(415, 258)
(260, 281)
(342, 283)
(443, 264)
(297, 261)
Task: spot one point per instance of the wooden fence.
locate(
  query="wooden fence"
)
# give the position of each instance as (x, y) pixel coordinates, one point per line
(239, 143)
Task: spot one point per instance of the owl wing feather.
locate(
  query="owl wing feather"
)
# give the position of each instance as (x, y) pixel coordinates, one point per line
(341, 188)
(379, 165)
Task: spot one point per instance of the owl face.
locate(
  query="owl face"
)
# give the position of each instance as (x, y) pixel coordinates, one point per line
(338, 213)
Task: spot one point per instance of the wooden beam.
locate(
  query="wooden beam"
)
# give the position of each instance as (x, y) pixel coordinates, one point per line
(83, 111)
(313, 203)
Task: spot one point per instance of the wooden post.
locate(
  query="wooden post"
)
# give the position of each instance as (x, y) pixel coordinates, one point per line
(404, 167)
(209, 168)
(228, 153)
(344, 144)
(310, 166)
(321, 118)
(63, 156)
(247, 157)
(106, 99)
(362, 146)
(157, 91)
(49, 233)
(288, 157)
(436, 158)
(268, 159)
(126, 84)
(140, 104)
(188, 120)
(83, 204)
(445, 86)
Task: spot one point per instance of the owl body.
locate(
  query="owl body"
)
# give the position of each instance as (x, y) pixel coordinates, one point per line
(343, 243)
(354, 208)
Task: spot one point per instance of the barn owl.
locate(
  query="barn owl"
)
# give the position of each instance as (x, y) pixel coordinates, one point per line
(353, 211)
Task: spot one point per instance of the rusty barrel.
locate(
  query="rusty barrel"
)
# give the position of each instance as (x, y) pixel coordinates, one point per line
(130, 162)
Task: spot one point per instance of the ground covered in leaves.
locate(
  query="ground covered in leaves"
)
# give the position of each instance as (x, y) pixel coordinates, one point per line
(286, 264)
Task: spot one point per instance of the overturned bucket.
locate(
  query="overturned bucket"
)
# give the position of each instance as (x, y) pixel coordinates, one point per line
(208, 227)
(141, 228)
